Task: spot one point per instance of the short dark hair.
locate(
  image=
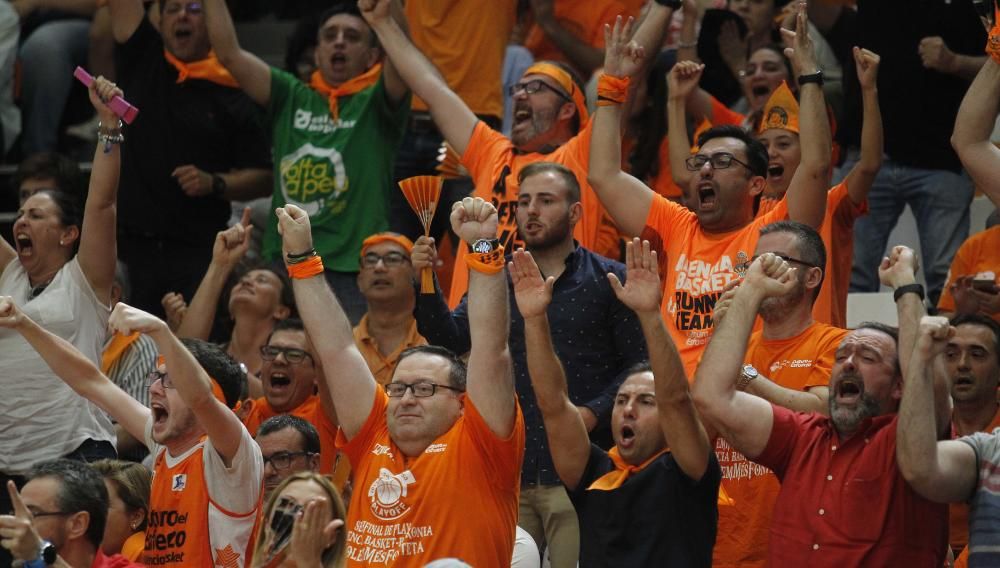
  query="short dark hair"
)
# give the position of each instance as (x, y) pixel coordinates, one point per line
(220, 366)
(287, 324)
(286, 295)
(636, 368)
(890, 330)
(983, 321)
(351, 9)
(810, 244)
(81, 488)
(567, 175)
(458, 373)
(310, 437)
(756, 153)
(49, 165)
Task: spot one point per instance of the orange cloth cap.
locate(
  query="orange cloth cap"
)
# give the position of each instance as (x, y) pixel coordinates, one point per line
(387, 236)
(781, 111)
(565, 81)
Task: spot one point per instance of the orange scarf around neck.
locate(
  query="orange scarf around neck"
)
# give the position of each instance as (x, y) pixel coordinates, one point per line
(616, 477)
(350, 87)
(208, 69)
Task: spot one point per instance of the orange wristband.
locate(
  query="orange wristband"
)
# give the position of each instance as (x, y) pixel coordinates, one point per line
(611, 90)
(306, 268)
(486, 263)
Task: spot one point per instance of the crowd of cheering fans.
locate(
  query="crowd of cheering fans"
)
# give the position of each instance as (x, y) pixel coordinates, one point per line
(616, 334)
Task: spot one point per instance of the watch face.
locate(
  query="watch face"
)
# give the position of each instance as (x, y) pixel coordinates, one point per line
(482, 246)
(49, 553)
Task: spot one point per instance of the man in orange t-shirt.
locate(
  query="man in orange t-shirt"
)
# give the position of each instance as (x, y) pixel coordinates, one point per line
(788, 362)
(436, 457)
(706, 248)
(572, 32)
(550, 124)
(977, 259)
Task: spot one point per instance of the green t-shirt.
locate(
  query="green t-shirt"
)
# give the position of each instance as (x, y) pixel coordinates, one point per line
(339, 172)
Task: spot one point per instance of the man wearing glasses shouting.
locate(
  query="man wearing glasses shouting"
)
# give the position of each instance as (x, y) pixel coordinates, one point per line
(206, 465)
(436, 453)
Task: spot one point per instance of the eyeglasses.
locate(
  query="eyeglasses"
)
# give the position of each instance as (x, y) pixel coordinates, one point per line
(719, 161)
(156, 375)
(533, 86)
(292, 355)
(390, 260)
(39, 513)
(189, 7)
(281, 460)
(420, 390)
(788, 259)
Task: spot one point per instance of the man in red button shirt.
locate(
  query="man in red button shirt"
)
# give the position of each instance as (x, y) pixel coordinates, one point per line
(843, 501)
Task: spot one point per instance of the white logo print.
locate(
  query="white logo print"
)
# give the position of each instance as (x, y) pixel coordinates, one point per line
(179, 483)
(386, 494)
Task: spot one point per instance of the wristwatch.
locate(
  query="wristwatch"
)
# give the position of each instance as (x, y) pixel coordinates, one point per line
(485, 246)
(672, 4)
(816, 77)
(218, 185)
(747, 376)
(46, 556)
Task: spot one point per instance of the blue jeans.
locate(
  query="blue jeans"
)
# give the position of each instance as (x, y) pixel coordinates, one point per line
(48, 57)
(940, 202)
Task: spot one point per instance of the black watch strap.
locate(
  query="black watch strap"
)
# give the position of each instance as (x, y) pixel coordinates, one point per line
(218, 185)
(672, 4)
(917, 289)
(816, 77)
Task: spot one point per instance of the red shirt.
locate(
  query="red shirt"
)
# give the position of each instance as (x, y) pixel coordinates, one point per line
(113, 561)
(844, 502)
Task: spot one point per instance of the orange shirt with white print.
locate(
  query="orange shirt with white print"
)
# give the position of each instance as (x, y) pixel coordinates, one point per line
(979, 253)
(457, 499)
(202, 513)
(837, 233)
(696, 267)
(467, 42)
(312, 412)
(380, 365)
(494, 164)
(584, 19)
(958, 513)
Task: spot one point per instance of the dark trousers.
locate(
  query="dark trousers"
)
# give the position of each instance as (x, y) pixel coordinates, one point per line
(157, 266)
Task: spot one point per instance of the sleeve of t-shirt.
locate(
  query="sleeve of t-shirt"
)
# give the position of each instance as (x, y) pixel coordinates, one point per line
(236, 488)
(598, 463)
(784, 434)
(961, 265)
(282, 87)
(356, 447)
(723, 115)
(845, 212)
(986, 445)
(664, 218)
(137, 49)
(392, 115)
(501, 457)
(485, 148)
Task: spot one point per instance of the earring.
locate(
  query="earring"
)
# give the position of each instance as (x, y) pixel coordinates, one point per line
(61, 243)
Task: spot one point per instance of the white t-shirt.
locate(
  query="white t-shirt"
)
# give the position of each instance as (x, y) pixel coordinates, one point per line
(41, 418)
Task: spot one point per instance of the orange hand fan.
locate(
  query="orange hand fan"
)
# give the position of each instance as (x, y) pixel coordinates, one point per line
(449, 163)
(423, 194)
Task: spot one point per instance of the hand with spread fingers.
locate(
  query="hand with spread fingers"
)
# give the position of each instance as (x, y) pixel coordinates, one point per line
(532, 291)
(622, 57)
(312, 533)
(799, 47)
(642, 291)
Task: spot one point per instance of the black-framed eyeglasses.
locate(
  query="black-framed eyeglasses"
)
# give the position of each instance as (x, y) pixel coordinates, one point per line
(189, 7)
(533, 86)
(282, 460)
(157, 375)
(292, 355)
(719, 161)
(39, 513)
(788, 259)
(422, 389)
(390, 260)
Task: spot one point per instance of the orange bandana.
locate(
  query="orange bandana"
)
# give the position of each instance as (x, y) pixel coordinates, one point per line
(161, 361)
(355, 85)
(566, 82)
(387, 236)
(993, 41)
(616, 477)
(113, 352)
(208, 69)
(781, 111)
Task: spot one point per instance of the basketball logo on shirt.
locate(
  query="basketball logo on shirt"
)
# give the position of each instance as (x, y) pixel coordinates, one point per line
(179, 482)
(387, 492)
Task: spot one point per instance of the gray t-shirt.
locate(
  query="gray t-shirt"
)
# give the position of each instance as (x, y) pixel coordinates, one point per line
(984, 506)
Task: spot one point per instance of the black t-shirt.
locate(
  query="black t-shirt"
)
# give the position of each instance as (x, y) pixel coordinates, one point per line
(918, 105)
(658, 517)
(213, 127)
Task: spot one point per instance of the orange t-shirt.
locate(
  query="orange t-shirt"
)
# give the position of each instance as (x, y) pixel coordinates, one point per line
(457, 499)
(494, 164)
(663, 182)
(584, 19)
(798, 363)
(837, 233)
(958, 513)
(382, 366)
(312, 412)
(980, 253)
(723, 115)
(466, 41)
(696, 267)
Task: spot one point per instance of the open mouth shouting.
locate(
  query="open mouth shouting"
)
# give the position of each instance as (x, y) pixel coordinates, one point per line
(707, 197)
(627, 437)
(280, 382)
(23, 244)
(160, 414)
(849, 390)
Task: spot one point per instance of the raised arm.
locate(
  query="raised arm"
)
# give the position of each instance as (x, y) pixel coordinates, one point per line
(679, 419)
(490, 385)
(230, 247)
(193, 384)
(98, 238)
(350, 382)
(682, 80)
(126, 15)
(974, 125)
(940, 471)
(807, 191)
(744, 420)
(815, 399)
(253, 75)
(452, 116)
(862, 175)
(626, 198)
(564, 426)
(582, 55)
(76, 370)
